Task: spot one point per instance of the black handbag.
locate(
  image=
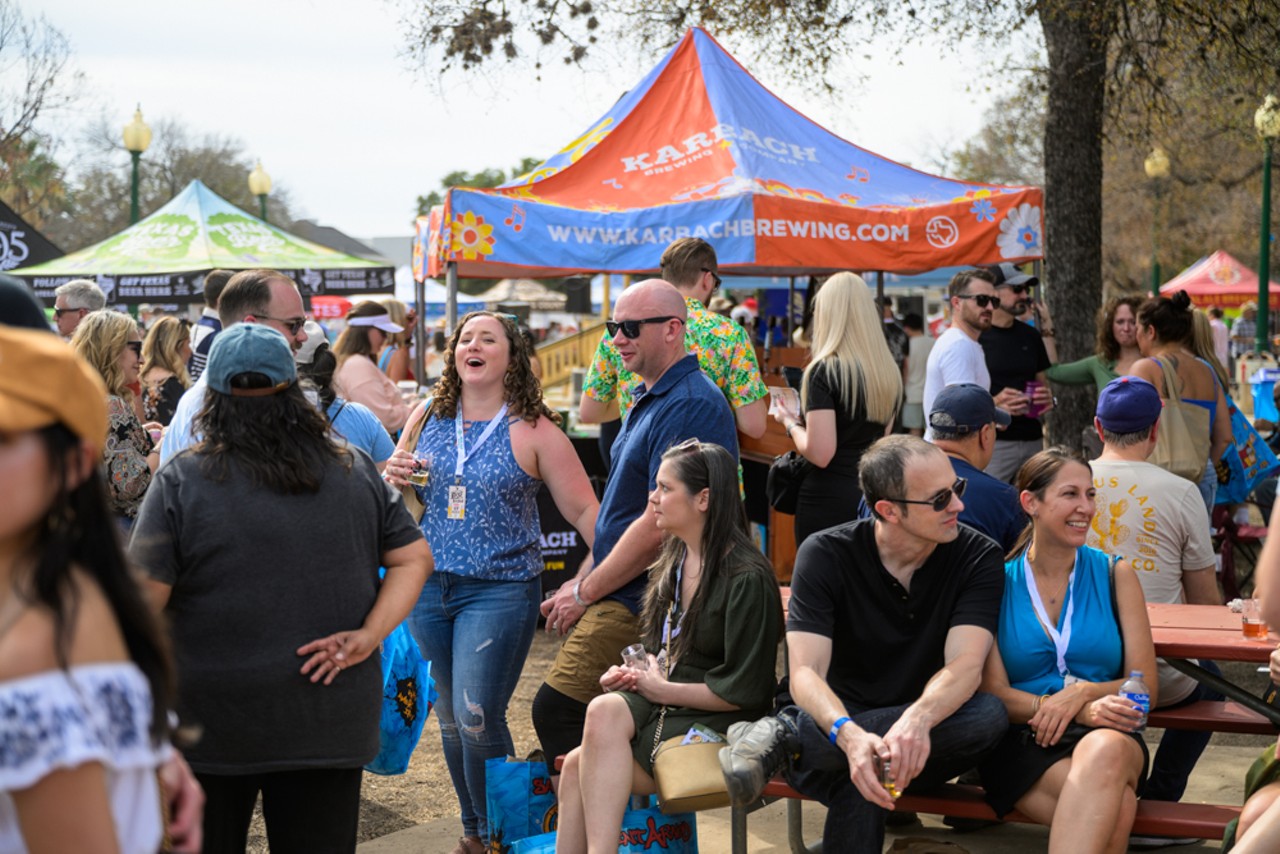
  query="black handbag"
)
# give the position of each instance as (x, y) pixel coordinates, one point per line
(782, 486)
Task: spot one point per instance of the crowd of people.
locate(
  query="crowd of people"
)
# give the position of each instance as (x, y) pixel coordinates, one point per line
(935, 530)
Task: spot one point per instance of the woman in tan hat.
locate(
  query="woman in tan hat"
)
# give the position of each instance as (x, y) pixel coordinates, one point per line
(109, 341)
(81, 655)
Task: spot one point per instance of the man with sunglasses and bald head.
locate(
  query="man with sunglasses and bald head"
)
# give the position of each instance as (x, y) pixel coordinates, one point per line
(957, 356)
(889, 624)
(674, 402)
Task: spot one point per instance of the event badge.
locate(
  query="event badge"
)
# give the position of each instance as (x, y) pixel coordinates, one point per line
(1069, 680)
(457, 502)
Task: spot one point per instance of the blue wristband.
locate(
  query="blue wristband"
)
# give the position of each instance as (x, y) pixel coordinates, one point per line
(835, 728)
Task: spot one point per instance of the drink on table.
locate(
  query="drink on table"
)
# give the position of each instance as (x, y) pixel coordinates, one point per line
(1251, 622)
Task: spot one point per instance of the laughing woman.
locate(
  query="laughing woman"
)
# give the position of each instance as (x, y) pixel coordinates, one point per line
(491, 443)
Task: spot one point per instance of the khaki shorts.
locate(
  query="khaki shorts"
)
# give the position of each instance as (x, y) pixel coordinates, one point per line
(592, 647)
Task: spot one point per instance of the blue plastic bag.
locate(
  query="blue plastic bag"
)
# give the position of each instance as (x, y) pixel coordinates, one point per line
(646, 831)
(408, 693)
(1249, 460)
(519, 801)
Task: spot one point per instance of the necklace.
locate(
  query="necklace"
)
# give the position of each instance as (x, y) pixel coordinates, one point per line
(1053, 599)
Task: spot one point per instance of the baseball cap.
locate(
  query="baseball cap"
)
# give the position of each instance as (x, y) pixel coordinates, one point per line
(1007, 273)
(964, 408)
(1128, 404)
(250, 348)
(315, 337)
(44, 382)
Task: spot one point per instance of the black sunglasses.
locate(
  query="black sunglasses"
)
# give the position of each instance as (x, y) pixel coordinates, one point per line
(715, 277)
(135, 346)
(58, 312)
(631, 328)
(293, 324)
(982, 300)
(942, 500)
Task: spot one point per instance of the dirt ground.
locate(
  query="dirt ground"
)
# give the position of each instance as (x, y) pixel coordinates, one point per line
(425, 792)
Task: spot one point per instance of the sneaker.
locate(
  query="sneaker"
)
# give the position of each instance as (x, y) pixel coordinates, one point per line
(1150, 843)
(757, 750)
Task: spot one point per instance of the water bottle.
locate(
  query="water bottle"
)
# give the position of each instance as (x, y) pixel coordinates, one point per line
(1135, 691)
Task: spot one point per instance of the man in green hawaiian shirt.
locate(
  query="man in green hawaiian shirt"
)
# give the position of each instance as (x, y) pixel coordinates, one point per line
(723, 349)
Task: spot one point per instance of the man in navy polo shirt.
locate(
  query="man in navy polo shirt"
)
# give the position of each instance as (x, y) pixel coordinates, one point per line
(674, 402)
(964, 421)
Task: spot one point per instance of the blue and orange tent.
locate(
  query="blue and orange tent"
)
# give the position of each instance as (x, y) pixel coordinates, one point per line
(701, 148)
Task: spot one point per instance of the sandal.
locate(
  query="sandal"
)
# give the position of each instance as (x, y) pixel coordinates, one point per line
(469, 845)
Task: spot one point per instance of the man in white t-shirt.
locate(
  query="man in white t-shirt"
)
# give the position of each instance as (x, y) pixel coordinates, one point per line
(1156, 521)
(957, 356)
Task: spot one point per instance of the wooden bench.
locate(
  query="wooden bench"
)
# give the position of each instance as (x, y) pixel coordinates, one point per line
(1154, 818)
(1212, 716)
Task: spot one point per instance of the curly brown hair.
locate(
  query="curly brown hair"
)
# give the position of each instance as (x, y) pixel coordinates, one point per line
(1108, 347)
(523, 392)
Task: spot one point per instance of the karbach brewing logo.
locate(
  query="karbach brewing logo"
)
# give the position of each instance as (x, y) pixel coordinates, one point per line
(13, 248)
(777, 149)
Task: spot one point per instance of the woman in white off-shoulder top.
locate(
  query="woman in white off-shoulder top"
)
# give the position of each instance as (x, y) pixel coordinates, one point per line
(84, 673)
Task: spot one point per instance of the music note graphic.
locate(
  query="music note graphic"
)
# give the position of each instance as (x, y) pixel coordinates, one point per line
(516, 220)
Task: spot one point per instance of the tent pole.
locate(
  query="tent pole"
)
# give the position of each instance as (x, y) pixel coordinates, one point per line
(880, 286)
(420, 332)
(604, 300)
(791, 309)
(451, 301)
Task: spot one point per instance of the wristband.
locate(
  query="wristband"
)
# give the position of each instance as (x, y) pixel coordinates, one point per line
(835, 728)
(576, 597)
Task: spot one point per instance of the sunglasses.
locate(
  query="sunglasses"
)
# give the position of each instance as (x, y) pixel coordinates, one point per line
(631, 328)
(293, 324)
(982, 300)
(135, 346)
(942, 500)
(1017, 289)
(715, 277)
(58, 312)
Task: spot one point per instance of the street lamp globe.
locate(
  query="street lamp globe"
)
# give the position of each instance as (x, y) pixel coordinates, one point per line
(1157, 164)
(1267, 118)
(137, 135)
(259, 181)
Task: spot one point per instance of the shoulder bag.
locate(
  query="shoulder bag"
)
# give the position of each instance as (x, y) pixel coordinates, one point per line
(1183, 438)
(409, 438)
(782, 485)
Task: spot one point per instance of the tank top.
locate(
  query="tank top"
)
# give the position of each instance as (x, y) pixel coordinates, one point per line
(500, 538)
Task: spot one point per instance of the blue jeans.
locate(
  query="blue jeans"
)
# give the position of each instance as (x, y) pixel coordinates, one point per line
(476, 633)
(853, 825)
(1179, 749)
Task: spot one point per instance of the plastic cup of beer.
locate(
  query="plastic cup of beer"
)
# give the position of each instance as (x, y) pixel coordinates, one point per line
(421, 470)
(1251, 622)
(635, 656)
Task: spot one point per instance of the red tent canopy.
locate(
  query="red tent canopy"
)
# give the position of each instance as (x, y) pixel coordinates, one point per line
(1218, 280)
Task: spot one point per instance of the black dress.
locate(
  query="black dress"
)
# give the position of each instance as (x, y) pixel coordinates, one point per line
(830, 496)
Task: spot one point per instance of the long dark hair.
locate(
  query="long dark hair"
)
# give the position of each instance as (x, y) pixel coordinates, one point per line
(1035, 476)
(79, 532)
(1169, 317)
(520, 388)
(698, 466)
(281, 440)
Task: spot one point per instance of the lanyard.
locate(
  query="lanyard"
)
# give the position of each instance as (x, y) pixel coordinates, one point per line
(1060, 641)
(463, 454)
(669, 632)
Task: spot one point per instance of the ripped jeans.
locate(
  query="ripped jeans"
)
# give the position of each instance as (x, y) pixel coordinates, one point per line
(476, 634)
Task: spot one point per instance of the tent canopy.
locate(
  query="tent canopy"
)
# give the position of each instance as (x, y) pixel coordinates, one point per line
(700, 148)
(165, 257)
(1218, 280)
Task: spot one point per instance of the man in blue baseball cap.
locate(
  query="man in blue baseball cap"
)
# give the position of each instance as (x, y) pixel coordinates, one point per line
(1156, 521)
(964, 420)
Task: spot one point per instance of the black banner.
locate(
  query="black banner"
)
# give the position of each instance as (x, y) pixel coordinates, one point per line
(20, 244)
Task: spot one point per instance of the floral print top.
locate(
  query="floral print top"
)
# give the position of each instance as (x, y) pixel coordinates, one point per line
(724, 353)
(160, 396)
(125, 458)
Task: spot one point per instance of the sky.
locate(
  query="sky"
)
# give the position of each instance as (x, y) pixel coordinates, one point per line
(322, 93)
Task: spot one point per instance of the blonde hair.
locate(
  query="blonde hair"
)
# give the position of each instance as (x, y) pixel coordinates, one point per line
(399, 313)
(162, 348)
(848, 334)
(1202, 346)
(100, 339)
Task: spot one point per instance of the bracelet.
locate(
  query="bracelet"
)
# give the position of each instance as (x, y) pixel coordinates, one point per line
(835, 728)
(1035, 705)
(576, 597)
(790, 427)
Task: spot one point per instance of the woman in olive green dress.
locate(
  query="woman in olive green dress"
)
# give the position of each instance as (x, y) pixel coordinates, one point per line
(702, 666)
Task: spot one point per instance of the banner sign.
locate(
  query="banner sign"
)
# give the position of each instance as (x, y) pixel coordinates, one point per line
(20, 244)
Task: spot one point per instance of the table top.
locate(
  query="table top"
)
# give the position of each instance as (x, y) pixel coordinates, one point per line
(1205, 631)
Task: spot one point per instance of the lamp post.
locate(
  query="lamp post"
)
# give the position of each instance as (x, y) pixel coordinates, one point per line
(137, 136)
(260, 186)
(1267, 121)
(1157, 168)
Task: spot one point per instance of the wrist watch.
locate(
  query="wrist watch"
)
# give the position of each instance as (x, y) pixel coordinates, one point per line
(577, 597)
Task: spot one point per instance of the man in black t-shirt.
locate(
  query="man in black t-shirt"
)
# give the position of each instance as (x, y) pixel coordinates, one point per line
(890, 622)
(1016, 355)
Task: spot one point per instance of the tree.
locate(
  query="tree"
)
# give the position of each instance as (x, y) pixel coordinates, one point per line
(1105, 57)
(483, 178)
(98, 198)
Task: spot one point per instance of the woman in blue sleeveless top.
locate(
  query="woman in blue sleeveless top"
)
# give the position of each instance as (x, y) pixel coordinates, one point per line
(490, 443)
(1072, 627)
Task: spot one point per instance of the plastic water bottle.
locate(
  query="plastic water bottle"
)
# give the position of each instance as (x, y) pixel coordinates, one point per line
(1135, 691)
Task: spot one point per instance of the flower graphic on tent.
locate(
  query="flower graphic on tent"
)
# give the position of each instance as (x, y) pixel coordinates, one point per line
(1020, 232)
(471, 236)
(983, 210)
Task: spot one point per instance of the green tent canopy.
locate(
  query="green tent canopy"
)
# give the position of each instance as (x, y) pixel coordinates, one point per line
(165, 257)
